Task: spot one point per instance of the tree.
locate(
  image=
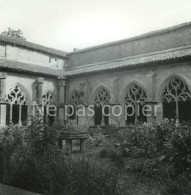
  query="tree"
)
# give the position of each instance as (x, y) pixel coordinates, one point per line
(18, 34)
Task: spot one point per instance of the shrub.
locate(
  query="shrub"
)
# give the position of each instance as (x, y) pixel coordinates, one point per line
(103, 153)
(39, 167)
(97, 140)
(138, 141)
(116, 156)
(84, 177)
(174, 185)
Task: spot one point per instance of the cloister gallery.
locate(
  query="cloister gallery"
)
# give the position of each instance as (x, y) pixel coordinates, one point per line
(152, 69)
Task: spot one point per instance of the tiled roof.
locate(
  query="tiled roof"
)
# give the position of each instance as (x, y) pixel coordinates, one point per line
(31, 46)
(142, 36)
(132, 61)
(17, 66)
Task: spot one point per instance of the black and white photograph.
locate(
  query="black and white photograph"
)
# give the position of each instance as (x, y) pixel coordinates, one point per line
(95, 97)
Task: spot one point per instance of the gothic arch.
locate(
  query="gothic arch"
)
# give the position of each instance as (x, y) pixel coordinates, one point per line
(95, 92)
(163, 84)
(133, 98)
(175, 98)
(124, 90)
(75, 98)
(99, 98)
(23, 90)
(49, 98)
(18, 107)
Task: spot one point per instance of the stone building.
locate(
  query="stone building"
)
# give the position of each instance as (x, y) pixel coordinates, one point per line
(151, 69)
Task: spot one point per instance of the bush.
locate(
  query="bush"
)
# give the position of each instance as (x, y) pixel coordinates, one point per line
(84, 177)
(36, 164)
(103, 153)
(174, 185)
(97, 140)
(138, 141)
(116, 156)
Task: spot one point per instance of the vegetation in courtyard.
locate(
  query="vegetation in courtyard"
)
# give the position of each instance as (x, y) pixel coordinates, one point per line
(33, 162)
(161, 152)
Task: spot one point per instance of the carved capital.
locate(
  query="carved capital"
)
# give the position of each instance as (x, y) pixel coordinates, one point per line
(3, 75)
(63, 77)
(40, 80)
(151, 74)
(62, 83)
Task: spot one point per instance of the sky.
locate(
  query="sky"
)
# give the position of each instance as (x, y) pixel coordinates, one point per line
(69, 24)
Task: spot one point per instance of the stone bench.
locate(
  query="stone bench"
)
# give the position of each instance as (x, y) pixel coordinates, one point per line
(69, 137)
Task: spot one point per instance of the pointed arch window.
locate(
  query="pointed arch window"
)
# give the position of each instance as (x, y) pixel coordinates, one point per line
(48, 100)
(176, 99)
(135, 99)
(17, 108)
(102, 98)
(76, 99)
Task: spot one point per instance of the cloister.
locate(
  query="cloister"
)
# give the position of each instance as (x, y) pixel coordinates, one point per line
(152, 69)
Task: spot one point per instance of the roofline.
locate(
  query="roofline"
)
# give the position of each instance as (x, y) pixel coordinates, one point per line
(25, 68)
(141, 36)
(32, 46)
(71, 72)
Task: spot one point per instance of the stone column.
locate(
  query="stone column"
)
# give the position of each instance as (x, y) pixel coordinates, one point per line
(3, 104)
(151, 101)
(40, 81)
(89, 119)
(115, 114)
(61, 99)
(114, 106)
(82, 145)
(39, 89)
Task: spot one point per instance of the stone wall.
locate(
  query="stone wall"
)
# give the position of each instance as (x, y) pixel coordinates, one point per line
(89, 84)
(28, 83)
(31, 57)
(136, 46)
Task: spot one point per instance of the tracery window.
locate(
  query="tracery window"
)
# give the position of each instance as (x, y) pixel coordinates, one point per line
(48, 101)
(101, 99)
(176, 98)
(17, 106)
(135, 99)
(76, 99)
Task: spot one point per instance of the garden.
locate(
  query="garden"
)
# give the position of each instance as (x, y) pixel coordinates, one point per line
(143, 159)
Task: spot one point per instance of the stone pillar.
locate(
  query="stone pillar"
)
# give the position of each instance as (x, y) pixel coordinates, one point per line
(89, 119)
(69, 145)
(3, 104)
(82, 145)
(114, 106)
(115, 89)
(61, 99)
(40, 81)
(151, 81)
(29, 115)
(39, 88)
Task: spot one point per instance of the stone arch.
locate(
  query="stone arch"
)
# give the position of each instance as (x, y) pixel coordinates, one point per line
(124, 90)
(163, 84)
(75, 97)
(47, 95)
(49, 101)
(23, 90)
(174, 96)
(19, 103)
(95, 91)
(134, 106)
(100, 97)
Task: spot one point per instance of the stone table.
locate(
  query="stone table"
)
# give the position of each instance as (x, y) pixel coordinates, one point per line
(69, 136)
